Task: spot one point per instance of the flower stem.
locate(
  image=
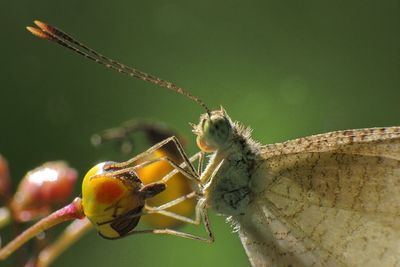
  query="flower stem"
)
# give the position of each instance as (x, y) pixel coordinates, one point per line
(71, 211)
(70, 235)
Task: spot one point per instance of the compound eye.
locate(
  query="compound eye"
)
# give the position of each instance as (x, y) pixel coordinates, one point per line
(216, 132)
(222, 129)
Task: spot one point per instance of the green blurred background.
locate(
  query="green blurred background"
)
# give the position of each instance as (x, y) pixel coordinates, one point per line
(286, 68)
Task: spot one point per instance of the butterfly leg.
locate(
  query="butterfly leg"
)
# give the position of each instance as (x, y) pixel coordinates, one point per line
(123, 169)
(148, 152)
(162, 209)
(200, 214)
(168, 231)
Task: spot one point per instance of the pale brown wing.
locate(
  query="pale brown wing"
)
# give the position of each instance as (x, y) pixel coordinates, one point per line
(370, 141)
(327, 200)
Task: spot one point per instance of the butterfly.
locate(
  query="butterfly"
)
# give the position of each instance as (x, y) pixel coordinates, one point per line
(325, 200)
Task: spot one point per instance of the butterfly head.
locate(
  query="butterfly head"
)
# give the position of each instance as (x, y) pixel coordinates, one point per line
(213, 131)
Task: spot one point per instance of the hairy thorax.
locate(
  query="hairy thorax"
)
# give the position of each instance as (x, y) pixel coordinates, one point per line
(229, 191)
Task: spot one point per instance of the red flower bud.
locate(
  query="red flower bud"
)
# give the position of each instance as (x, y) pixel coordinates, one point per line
(5, 182)
(43, 188)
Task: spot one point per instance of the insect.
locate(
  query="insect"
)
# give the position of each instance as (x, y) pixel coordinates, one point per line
(154, 132)
(114, 198)
(325, 200)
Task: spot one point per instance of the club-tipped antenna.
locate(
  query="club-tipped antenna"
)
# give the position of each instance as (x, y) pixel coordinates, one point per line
(53, 34)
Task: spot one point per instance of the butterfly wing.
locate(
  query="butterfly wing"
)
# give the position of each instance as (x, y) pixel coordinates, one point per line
(327, 200)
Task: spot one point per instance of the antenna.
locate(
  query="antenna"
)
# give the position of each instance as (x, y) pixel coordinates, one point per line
(53, 34)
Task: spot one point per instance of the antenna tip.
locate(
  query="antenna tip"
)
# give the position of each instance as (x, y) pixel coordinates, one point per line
(45, 27)
(40, 24)
(38, 33)
(30, 29)
(43, 31)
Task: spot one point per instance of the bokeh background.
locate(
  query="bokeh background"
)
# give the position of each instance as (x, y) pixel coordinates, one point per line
(286, 68)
